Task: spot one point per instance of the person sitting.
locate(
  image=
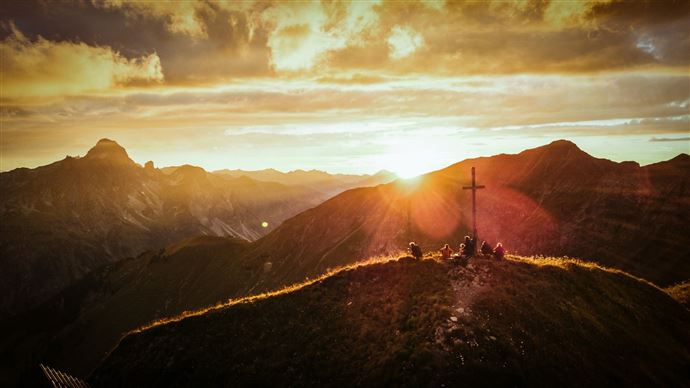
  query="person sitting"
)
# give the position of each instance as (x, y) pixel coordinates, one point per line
(461, 250)
(499, 252)
(469, 247)
(486, 249)
(446, 252)
(415, 251)
(460, 257)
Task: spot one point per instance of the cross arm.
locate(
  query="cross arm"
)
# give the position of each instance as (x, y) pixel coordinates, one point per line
(473, 187)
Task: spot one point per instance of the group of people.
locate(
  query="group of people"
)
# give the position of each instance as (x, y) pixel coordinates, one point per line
(466, 250)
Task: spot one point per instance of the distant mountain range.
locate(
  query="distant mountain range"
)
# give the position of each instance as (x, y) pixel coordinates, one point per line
(554, 200)
(62, 220)
(321, 181)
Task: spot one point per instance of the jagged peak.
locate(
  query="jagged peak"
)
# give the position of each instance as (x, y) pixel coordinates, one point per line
(108, 150)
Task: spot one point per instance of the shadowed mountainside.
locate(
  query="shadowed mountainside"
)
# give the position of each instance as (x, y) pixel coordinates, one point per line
(554, 200)
(73, 330)
(408, 323)
(64, 219)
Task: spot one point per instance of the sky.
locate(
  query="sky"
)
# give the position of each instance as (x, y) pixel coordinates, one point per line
(408, 86)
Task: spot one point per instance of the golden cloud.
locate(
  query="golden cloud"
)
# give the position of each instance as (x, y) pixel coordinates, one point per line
(44, 68)
(180, 16)
(403, 42)
(200, 42)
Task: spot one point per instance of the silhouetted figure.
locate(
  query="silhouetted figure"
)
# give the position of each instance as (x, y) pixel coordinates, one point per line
(460, 257)
(469, 247)
(415, 251)
(486, 249)
(446, 251)
(499, 252)
(461, 250)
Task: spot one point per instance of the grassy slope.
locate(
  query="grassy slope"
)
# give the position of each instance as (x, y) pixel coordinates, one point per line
(681, 293)
(519, 321)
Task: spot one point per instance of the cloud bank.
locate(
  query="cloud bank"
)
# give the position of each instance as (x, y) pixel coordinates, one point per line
(316, 77)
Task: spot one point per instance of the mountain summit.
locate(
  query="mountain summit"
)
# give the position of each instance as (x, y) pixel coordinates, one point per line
(109, 151)
(554, 200)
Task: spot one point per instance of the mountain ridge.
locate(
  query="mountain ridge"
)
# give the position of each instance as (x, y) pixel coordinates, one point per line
(411, 322)
(66, 218)
(329, 184)
(379, 220)
(535, 205)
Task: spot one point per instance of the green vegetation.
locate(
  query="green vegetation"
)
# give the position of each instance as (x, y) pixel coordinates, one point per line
(521, 321)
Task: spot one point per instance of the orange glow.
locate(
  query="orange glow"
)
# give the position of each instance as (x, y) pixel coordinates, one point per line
(436, 214)
(351, 87)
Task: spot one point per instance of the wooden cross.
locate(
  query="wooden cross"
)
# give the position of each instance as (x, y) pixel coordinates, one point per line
(474, 189)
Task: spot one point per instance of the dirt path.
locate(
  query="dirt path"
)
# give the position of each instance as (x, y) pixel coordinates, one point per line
(467, 281)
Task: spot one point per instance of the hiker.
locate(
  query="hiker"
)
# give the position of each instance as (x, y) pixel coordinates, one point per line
(415, 251)
(499, 252)
(446, 252)
(469, 246)
(460, 258)
(486, 249)
(461, 251)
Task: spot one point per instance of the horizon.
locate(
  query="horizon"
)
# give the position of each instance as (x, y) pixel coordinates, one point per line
(353, 87)
(142, 161)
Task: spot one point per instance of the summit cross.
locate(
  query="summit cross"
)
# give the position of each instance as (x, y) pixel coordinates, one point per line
(474, 189)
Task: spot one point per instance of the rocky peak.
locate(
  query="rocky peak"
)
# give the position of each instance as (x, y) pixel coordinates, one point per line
(108, 151)
(562, 146)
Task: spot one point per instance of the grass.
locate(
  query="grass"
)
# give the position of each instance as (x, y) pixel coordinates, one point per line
(681, 293)
(519, 321)
(264, 295)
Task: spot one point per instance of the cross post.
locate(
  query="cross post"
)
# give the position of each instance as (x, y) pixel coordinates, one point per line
(474, 189)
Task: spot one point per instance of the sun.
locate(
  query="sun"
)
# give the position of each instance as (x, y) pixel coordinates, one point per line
(410, 159)
(407, 170)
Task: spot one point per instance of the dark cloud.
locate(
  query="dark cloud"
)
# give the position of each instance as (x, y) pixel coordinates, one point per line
(527, 37)
(462, 37)
(231, 46)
